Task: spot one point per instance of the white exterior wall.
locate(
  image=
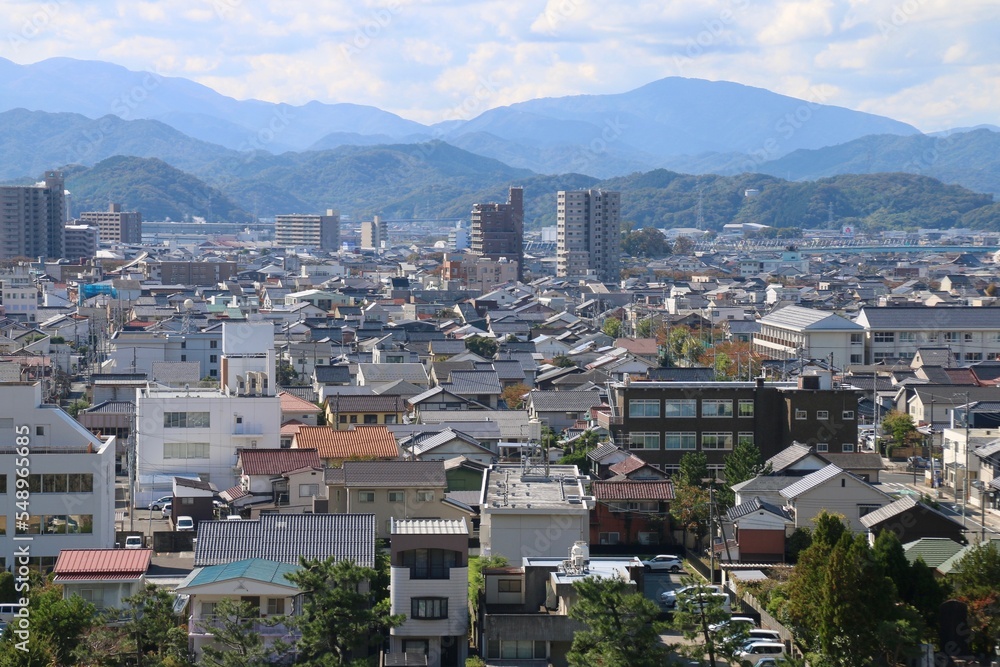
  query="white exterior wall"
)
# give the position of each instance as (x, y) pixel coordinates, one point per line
(61, 449)
(535, 534)
(835, 498)
(455, 588)
(260, 427)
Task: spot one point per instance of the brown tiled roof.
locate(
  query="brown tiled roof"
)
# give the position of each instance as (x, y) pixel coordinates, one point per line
(372, 441)
(292, 403)
(638, 345)
(631, 464)
(364, 403)
(633, 490)
(274, 462)
(103, 564)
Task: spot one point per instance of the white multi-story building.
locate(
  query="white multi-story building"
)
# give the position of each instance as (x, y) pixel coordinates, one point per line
(971, 334)
(19, 294)
(187, 432)
(794, 332)
(589, 230)
(69, 501)
(137, 351)
(312, 231)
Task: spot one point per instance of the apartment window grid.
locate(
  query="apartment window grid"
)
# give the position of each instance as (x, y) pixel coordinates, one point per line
(745, 438)
(746, 407)
(674, 408)
(716, 440)
(822, 415)
(644, 440)
(643, 407)
(711, 407)
(682, 440)
(884, 337)
(186, 420)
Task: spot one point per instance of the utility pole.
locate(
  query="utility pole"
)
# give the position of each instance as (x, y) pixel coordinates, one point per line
(711, 531)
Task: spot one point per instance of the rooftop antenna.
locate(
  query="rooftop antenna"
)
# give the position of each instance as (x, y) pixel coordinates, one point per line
(187, 307)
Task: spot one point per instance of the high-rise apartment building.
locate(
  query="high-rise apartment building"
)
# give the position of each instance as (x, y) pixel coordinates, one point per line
(588, 238)
(498, 230)
(81, 242)
(315, 231)
(32, 219)
(374, 234)
(115, 225)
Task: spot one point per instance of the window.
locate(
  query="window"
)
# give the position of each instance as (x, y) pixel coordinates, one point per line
(276, 606)
(184, 357)
(425, 496)
(185, 450)
(716, 408)
(822, 446)
(968, 337)
(54, 484)
(857, 338)
(951, 337)
(39, 430)
(343, 419)
(680, 407)
(608, 538)
(856, 358)
(366, 496)
(847, 447)
(516, 650)
(186, 420)
(644, 440)
(390, 419)
(308, 490)
(822, 415)
(187, 501)
(973, 356)
(867, 509)
(907, 337)
(847, 415)
(354, 419)
(681, 440)
(644, 506)
(429, 608)
(212, 358)
(746, 407)
(642, 407)
(3, 483)
(884, 337)
(716, 440)
(208, 610)
(397, 496)
(745, 437)
(801, 414)
(431, 563)
(509, 586)
(214, 344)
(371, 419)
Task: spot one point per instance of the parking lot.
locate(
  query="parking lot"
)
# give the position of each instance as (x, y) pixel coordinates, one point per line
(655, 583)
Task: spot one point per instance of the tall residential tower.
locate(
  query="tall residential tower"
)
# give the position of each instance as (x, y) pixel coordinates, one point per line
(32, 219)
(498, 230)
(314, 231)
(589, 230)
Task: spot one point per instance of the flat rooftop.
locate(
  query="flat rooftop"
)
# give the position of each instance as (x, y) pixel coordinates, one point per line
(617, 566)
(519, 488)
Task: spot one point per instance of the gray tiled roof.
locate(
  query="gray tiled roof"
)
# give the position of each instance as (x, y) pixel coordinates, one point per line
(373, 373)
(564, 401)
(811, 481)
(799, 318)
(379, 474)
(790, 455)
(602, 451)
(286, 537)
(112, 408)
(952, 318)
(894, 509)
(466, 383)
(755, 504)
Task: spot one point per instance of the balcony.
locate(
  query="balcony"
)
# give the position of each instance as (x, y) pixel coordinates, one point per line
(204, 627)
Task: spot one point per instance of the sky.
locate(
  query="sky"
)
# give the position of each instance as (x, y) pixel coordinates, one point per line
(932, 63)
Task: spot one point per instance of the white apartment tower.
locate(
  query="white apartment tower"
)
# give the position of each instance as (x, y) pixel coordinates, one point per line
(374, 234)
(313, 231)
(589, 229)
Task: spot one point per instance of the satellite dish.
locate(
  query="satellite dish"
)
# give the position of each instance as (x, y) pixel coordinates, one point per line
(188, 304)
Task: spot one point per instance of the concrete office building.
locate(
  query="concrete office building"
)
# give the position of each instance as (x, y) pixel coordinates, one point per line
(81, 241)
(115, 225)
(374, 234)
(314, 231)
(498, 229)
(589, 229)
(32, 219)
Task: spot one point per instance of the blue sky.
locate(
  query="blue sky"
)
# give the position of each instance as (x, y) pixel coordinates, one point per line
(932, 63)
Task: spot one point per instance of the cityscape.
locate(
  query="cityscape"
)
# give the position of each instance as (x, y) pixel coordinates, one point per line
(574, 366)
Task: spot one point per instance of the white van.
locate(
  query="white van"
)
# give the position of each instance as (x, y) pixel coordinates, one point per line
(755, 650)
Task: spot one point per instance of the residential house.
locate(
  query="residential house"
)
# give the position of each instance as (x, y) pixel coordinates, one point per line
(344, 411)
(912, 519)
(759, 530)
(102, 577)
(836, 491)
(259, 582)
(445, 445)
(413, 373)
(193, 498)
(262, 481)
(297, 409)
(630, 511)
(559, 410)
(429, 585)
(335, 447)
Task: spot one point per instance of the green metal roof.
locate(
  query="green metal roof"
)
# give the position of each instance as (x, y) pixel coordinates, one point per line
(934, 550)
(951, 564)
(257, 569)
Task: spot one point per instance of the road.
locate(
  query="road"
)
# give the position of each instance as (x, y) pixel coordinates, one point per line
(899, 483)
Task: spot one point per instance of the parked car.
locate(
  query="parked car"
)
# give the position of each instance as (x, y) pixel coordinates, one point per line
(745, 620)
(166, 510)
(133, 542)
(669, 598)
(761, 635)
(758, 649)
(917, 463)
(184, 523)
(664, 562)
(699, 601)
(770, 662)
(159, 503)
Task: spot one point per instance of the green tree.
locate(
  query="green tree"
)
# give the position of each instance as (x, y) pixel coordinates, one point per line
(286, 373)
(154, 628)
(341, 621)
(646, 328)
(646, 242)
(697, 609)
(578, 457)
(806, 582)
(477, 581)
(889, 555)
(483, 346)
(692, 469)
(690, 510)
(612, 327)
(900, 425)
(76, 407)
(744, 463)
(927, 594)
(623, 629)
(975, 581)
(683, 246)
(562, 361)
(236, 640)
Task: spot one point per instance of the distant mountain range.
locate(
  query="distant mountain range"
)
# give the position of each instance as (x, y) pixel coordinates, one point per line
(230, 158)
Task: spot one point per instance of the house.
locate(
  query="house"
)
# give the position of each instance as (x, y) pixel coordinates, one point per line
(796, 460)
(391, 490)
(429, 584)
(439, 399)
(193, 498)
(533, 509)
(559, 410)
(335, 447)
(263, 483)
(297, 409)
(344, 411)
(464, 474)
(631, 511)
(444, 445)
(912, 520)
(760, 529)
(934, 551)
(381, 373)
(260, 582)
(102, 577)
(480, 386)
(833, 490)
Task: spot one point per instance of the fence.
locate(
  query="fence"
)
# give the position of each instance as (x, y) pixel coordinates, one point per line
(770, 622)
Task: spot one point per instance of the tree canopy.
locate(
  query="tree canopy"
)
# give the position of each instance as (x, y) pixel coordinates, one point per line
(623, 629)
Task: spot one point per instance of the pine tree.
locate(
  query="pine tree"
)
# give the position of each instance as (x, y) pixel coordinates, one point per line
(693, 468)
(745, 462)
(622, 626)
